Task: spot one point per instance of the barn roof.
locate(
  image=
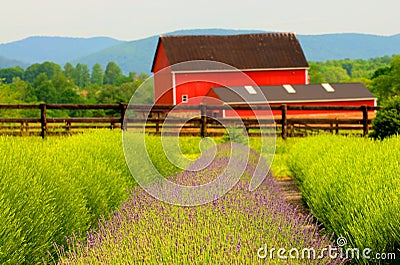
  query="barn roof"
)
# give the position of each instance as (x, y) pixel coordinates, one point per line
(294, 93)
(243, 51)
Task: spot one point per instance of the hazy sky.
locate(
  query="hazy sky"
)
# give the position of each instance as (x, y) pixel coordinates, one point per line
(133, 19)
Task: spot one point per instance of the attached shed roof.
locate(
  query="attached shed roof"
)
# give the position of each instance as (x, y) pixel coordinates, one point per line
(243, 51)
(302, 93)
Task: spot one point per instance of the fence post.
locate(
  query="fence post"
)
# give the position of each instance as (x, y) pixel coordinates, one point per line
(284, 121)
(337, 126)
(67, 126)
(203, 123)
(122, 108)
(158, 122)
(43, 120)
(365, 119)
(22, 128)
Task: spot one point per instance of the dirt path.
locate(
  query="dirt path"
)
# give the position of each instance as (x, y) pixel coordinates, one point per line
(292, 194)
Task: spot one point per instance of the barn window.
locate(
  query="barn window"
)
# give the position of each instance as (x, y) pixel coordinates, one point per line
(185, 98)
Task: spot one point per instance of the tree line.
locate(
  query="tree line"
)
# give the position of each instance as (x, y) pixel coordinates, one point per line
(51, 83)
(380, 75)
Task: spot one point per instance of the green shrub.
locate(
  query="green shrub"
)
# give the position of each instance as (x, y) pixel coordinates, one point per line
(387, 120)
(236, 135)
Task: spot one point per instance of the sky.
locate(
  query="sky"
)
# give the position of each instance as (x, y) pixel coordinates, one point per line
(134, 19)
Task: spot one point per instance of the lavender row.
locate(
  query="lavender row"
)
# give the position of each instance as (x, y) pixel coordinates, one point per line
(241, 227)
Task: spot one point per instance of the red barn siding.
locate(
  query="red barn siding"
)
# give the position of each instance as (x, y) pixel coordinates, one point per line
(161, 59)
(162, 78)
(163, 84)
(276, 113)
(329, 103)
(279, 77)
(199, 84)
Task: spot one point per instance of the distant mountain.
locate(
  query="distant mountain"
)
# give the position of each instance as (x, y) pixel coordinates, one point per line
(133, 56)
(6, 63)
(137, 55)
(348, 45)
(55, 49)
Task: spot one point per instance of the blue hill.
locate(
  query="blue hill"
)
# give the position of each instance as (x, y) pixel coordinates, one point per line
(137, 55)
(55, 49)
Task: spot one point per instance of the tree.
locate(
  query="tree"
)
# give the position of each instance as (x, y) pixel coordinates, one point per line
(90, 93)
(50, 69)
(112, 73)
(82, 78)
(336, 74)
(44, 89)
(315, 74)
(8, 74)
(7, 95)
(381, 71)
(109, 94)
(69, 71)
(32, 72)
(97, 75)
(348, 66)
(23, 89)
(386, 81)
(387, 120)
(127, 90)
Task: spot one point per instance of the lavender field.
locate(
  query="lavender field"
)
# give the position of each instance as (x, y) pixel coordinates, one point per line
(74, 201)
(229, 230)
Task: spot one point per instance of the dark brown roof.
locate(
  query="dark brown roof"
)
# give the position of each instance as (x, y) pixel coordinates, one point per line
(244, 51)
(304, 93)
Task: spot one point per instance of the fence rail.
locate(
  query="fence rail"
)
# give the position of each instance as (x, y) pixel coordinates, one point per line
(201, 125)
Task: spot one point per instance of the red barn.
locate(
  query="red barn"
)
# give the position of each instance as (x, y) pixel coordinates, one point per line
(273, 62)
(267, 59)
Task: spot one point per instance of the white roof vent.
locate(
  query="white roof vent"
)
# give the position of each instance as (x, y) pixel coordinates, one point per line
(250, 90)
(289, 89)
(328, 87)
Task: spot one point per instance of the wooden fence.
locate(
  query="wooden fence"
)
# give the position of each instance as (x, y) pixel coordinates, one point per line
(285, 125)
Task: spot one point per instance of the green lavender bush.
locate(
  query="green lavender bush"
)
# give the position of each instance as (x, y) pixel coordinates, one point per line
(54, 187)
(352, 186)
